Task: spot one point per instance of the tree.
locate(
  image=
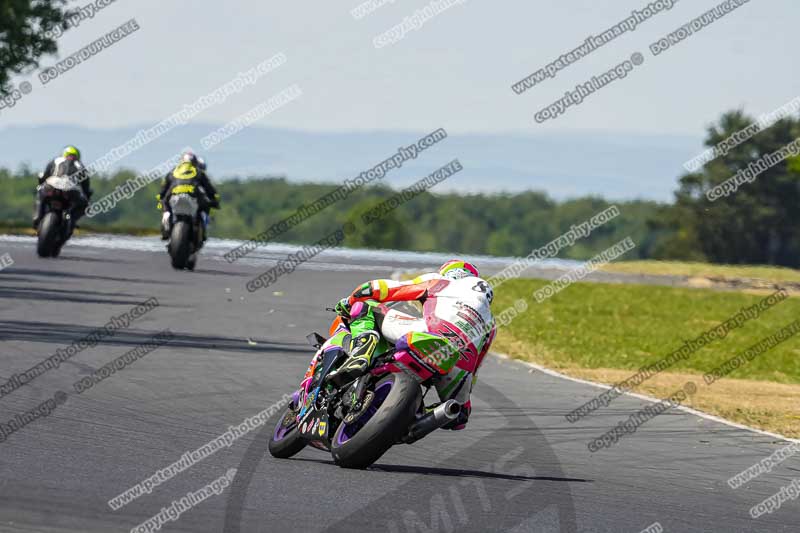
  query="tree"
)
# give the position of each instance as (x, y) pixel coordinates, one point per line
(388, 232)
(26, 33)
(758, 223)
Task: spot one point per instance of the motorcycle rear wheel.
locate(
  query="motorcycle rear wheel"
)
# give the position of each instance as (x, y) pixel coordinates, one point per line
(180, 245)
(385, 422)
(48, 244)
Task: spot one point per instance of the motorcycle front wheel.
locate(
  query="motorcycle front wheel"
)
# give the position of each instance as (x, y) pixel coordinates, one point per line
(285, 440)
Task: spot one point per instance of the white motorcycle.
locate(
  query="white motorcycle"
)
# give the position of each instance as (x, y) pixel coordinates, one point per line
(57, 223)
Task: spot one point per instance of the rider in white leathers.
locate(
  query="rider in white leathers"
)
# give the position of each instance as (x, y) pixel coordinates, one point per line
(453, 336)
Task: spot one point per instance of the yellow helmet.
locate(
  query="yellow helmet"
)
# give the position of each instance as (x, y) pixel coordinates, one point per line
(71, 151)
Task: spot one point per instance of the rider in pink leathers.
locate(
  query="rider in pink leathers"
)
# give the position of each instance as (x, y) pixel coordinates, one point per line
(453, 336)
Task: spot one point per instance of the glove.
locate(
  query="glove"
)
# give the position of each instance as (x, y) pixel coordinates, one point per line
(343, 308)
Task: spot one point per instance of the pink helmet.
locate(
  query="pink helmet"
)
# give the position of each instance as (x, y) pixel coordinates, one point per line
(457, 269)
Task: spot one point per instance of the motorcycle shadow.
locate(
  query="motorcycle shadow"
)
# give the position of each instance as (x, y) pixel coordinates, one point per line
(450, 472)
(85, 259)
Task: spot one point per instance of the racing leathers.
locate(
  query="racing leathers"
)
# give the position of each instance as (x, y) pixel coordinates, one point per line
(188, 178)
(63, 167)
(454, 334)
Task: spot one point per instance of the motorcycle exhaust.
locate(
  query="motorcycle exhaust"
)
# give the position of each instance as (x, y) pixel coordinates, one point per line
(441, 415)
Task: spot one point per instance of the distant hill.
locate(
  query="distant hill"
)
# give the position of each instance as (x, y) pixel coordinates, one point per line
(563, 165)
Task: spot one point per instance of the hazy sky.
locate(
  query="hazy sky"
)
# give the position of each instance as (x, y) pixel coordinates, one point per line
(454, 72)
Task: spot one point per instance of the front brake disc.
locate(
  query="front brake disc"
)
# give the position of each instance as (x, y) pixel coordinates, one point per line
(354, 415)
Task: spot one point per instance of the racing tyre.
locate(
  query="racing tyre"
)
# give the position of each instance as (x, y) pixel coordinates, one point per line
(393, 409)
(285, 440)
(180, 245)
(49, 230)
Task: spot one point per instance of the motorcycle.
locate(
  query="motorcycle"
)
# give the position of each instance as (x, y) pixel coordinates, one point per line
(186, 227)
(360, 421)
(57, 223)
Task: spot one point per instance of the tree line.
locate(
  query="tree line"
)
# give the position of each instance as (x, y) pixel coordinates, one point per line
(758, 224)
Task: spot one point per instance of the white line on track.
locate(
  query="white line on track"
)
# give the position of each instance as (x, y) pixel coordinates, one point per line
(685, 409)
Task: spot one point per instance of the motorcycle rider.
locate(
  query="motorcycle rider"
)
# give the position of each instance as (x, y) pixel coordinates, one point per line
(454, 334)
(69, 164)
(189, 174)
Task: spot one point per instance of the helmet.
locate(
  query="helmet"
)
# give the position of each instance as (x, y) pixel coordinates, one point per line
(201, 164)
(189, 157)
(71, 151)
(457, 269)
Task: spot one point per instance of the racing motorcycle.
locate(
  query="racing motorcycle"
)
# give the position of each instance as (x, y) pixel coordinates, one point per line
(57, 224)
(358, 422)
(185, 226)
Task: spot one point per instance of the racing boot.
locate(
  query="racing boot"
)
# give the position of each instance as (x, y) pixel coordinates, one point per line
(38, 209)
(204, 219)
(359, 359)
(165, 225)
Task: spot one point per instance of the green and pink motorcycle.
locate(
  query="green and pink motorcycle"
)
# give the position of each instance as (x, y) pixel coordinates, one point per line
(359, 422)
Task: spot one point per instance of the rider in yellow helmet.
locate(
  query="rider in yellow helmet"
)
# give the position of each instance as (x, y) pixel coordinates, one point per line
(191, 173)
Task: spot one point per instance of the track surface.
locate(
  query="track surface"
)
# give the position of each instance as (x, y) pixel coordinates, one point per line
(518, 467)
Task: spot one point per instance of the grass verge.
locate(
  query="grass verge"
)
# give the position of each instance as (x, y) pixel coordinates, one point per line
(705, 270)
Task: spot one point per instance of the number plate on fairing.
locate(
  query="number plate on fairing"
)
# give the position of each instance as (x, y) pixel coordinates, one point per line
(314, 426)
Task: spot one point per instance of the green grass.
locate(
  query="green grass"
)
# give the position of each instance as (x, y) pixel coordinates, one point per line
(593, 325)
(677, 268)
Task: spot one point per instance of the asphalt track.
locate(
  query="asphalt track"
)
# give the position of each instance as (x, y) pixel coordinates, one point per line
(520, 466)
